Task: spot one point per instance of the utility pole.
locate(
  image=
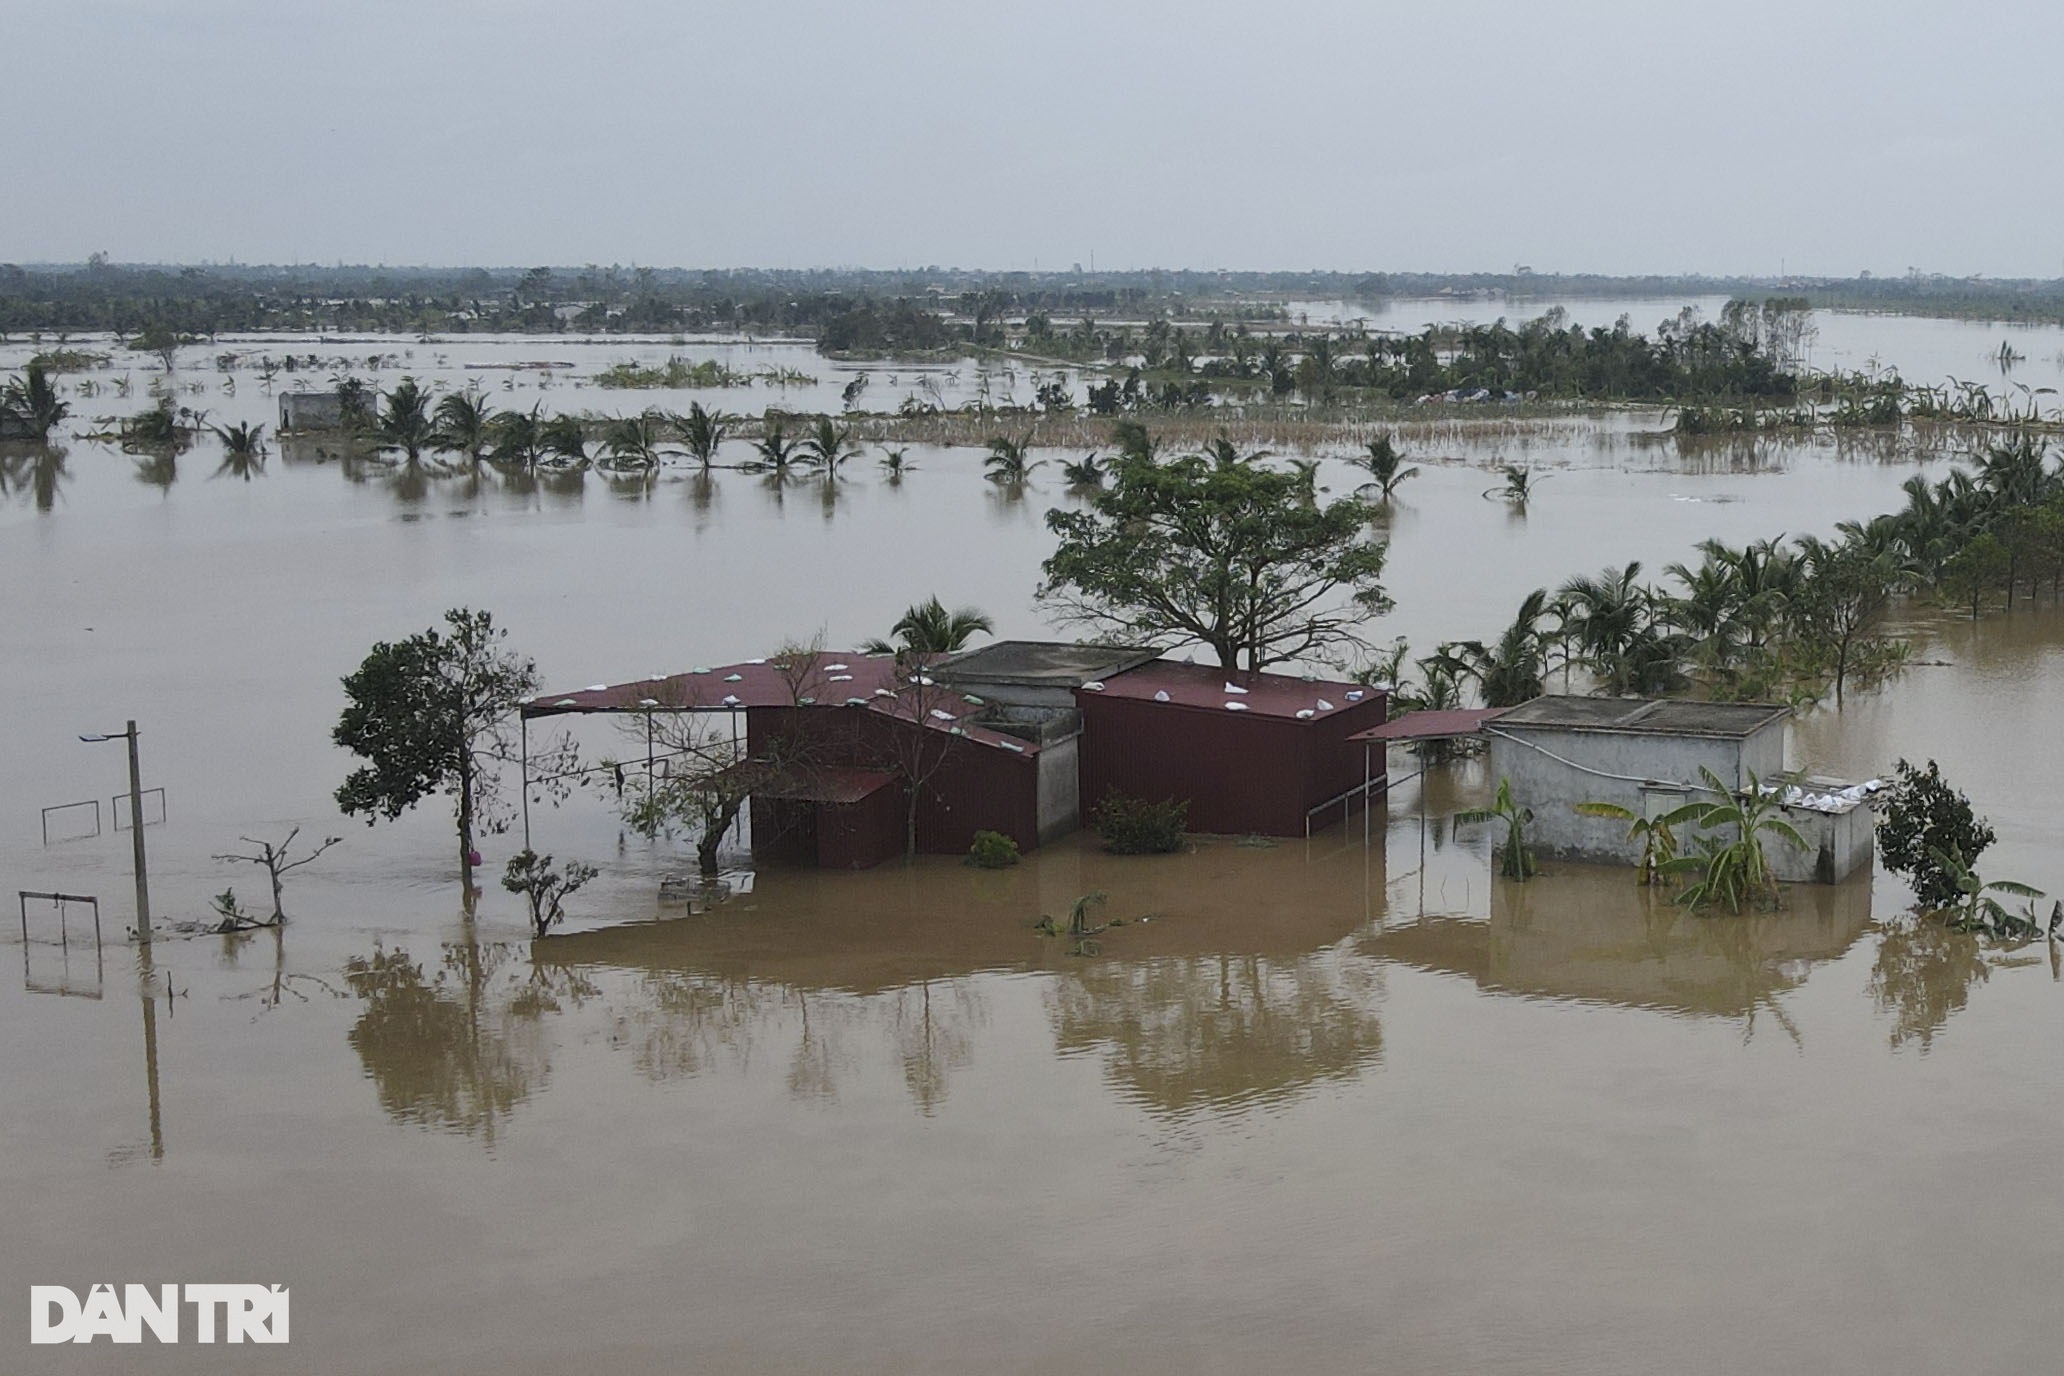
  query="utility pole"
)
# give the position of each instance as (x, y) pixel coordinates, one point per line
(143, 927)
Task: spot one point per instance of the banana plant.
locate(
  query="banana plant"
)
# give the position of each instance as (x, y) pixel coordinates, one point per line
(1731, 871)
(1658, 841)
(1977, 910)
(1515, 861)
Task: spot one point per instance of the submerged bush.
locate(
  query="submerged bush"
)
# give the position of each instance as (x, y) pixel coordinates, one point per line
(1923, 821)
(1134, 826)
(993, 850)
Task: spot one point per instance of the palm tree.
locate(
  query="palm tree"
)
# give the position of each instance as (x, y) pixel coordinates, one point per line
(1515, 861)
(778, 449)
(1519, 486)
(1133, 441)
(1386, 467)
(465, 422)
(1613, 618)
(1510, 672)
(1009, 461)
(828, 446)
(895, 463)
(702, 433)
(1224, 454)
(633, 441)
(31, 400)
(927, 628)
(243, 450)
(565, 438)
(518, 437)
(404, 421)
(1088, 471)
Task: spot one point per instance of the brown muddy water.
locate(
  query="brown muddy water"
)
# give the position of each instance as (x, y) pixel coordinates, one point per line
(1337, 1106)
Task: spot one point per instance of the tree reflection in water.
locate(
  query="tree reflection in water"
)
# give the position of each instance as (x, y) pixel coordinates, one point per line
(34, 471)
(1924, 972)
(1183, 1034)
(463, 1047)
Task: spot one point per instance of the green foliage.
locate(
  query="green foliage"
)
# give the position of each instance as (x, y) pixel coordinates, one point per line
(31, 401)
(1515, 860)
(543, 886)
(427, 714)
(404, 421)
(927, 628)
(1009, 461)
(1226, 553)
(1386, 466)
(992, 850)
(1658, 840)
(702, 433)
(1922, 819)
(465, 422)
(1134, 826)
(1976, 910)
(676, 372)
(1731, 867)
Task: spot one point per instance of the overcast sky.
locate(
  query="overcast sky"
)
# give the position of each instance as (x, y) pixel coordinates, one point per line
(1663, 136)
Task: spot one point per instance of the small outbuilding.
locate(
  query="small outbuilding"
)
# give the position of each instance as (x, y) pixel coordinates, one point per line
(1254, 753)
(1646, 755)
(310, 411)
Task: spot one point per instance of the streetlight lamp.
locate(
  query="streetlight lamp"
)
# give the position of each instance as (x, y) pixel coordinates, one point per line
(143, 931)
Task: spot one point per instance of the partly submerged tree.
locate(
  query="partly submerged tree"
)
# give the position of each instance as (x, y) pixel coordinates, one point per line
(1658, 839)
(1010, 459)
(430, 714)
(632, 442)
(1921, 817)
(404, 422)
(1515, 860)
(465, 422)
(1226, 555)
(702, 433)
(828, 446)
(1385, 464)
(1976, 910)
(32, 401)
(518, 437)
(544, 885)
(927, 628)
(278, 860)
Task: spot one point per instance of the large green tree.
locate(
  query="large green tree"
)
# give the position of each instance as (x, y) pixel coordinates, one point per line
(430, 714)
(1222, 551)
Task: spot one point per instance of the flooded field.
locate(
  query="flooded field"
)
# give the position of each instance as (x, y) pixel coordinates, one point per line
(1345, 1105)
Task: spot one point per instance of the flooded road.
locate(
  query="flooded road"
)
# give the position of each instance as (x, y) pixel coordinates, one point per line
(1337, 1106)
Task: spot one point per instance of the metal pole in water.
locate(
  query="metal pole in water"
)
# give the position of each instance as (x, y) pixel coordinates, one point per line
(143, 930)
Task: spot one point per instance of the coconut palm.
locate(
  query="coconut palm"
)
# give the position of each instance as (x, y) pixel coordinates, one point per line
(702, 433)
(465, 423)
(927, 628)
(1519, 486)
(895, 463)
(632, 442)
(404, 422)
(1133, 441)
(518, 437)
(828, 446)
(779, 450)
(1010, 461)
(1509, 672)
(565, 439)
(1088, 471)
(243, 450)
(1515, 861)
(1385, 464)
(32, 401)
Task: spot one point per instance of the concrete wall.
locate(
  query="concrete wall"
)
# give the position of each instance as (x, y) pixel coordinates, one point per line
(1060, 794)
(310, 411)
(1838, 845)
(1552, 788)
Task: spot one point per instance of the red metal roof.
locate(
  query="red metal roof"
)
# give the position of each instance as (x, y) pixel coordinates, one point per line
(819, 783)
(832, 678)
(1263, 694)
(1429, 726)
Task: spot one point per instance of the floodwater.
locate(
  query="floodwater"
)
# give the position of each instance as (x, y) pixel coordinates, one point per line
(1345, 1105)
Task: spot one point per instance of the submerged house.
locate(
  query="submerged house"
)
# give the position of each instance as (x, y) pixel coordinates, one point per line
(1018, 737)
(1646, 755)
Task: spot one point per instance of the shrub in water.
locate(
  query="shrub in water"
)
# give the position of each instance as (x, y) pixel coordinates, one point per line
(993, 850)
(1134, 826)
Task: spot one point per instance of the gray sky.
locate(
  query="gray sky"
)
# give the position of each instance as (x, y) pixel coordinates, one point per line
(1655, 137)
